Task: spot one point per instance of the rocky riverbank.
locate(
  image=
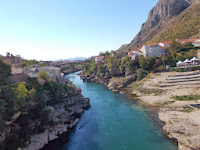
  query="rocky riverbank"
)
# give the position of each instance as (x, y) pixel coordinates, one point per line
(63, 119)
(71, 71)
(116, 84)
(181, 119)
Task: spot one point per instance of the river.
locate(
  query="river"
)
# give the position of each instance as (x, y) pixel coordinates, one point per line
(114, 122)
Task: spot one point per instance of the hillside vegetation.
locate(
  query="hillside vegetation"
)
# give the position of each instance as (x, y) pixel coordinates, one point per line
(169, 20)
(185, 25)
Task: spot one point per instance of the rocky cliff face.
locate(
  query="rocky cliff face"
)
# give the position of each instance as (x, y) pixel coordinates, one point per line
(159, 15)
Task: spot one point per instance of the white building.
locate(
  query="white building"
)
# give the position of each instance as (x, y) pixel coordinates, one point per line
(134, 53)
(153, 50)
(196, 43)
(165, 44)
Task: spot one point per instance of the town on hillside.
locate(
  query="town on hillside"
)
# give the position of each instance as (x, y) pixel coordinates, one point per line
(154, 50)
(21, 69)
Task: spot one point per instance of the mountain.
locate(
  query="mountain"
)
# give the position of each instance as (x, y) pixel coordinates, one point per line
(167, 20)
(76, 58)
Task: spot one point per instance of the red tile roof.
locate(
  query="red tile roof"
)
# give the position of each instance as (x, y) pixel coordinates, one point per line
(136, 50)
(131, 54)
(187, 40)
(152, 44)
(100, 57)
(166, 42)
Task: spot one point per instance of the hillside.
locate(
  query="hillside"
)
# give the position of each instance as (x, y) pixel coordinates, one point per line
(169, 19)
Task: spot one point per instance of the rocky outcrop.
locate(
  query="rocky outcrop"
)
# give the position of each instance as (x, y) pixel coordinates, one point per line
(28, 131)
(159, 15)
(102, 79)
(117, 84)
(182, 126)
(64, 118)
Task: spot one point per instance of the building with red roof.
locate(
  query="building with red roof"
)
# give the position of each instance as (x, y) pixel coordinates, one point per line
(99, 59)
(136, 50)
(183, 41)
(165, 43)
(196, 43)
(134, 53)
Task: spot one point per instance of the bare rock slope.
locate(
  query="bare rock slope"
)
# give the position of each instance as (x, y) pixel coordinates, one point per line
(159, 16)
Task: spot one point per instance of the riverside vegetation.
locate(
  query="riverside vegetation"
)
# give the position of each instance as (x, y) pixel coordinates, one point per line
(30, 108)
(119, 72)
(144, 77)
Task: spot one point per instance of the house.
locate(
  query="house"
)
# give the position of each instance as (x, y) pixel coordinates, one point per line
(33, 66)
(134, 53)
(196, 43)
(99, 59)
(183, 41)
(165, 44)
(153, 50)
(135, 50)
(53, 72)
(198, 53)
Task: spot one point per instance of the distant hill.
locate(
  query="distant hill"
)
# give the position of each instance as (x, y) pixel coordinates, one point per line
(168, 20)
(76, 58)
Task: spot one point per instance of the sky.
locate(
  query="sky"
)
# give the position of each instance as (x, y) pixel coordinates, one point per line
(61, 29)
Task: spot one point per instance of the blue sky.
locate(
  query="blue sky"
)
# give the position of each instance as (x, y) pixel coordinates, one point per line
(55, 29)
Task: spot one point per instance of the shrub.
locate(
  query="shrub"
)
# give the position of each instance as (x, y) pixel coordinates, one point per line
(54, 91)
(43, 75)
(21, 93)
(46, 115)
(187, 97)
(141, 74)
(40, 98)
(4, 72)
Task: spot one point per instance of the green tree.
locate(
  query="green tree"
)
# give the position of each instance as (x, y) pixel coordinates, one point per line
(174, 46)
(21, 94)
(107, 53)
(132, 66)
(41, 98)
(2, 114)
(43, 75)
(147, 63)
(100, 69)
(25, 63)
(42, 64)
(141, 73)
(93, 67)
(55, 91)
(46, 115)
(4, 72)
(101, 54)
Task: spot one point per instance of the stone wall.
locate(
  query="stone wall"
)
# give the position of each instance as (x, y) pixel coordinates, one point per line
(15, 61)
(16, 78)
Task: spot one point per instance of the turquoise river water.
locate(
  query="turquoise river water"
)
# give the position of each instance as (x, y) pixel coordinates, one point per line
(114, 122)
